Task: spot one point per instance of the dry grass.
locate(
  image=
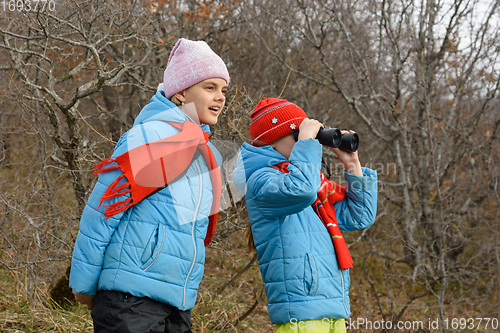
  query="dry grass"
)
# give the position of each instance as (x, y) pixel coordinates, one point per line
(21, 313)
(214, 312)
(217, 311)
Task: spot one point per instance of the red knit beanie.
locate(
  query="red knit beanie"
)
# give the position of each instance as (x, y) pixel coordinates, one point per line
(272, 119)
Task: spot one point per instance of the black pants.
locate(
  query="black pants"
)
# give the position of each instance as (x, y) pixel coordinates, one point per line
(118, 312)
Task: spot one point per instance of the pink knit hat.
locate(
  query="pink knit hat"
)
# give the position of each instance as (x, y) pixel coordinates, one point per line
(191, 62)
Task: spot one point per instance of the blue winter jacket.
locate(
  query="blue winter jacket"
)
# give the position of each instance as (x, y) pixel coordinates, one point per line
(154, 248)
(294, 250)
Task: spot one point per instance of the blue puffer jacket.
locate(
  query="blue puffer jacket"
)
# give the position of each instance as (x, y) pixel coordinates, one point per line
(154, 248)
(294, 250)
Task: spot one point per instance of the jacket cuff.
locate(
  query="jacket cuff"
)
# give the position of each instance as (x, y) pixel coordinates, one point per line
(357, 184)
(84, 277)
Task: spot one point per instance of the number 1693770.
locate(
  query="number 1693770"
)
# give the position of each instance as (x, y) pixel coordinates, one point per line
(27, 5)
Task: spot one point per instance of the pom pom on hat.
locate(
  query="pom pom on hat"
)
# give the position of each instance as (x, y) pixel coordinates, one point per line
(191, 62)
(273, 119)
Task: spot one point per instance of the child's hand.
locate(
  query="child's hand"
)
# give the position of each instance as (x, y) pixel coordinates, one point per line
(349, 160)
(309, 128)
(85, 299)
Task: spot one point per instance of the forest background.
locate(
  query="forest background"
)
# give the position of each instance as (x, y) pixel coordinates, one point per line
(418, 80)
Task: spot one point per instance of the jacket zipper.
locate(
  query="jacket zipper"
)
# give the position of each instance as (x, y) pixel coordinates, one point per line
(192, 234)
(343, 292)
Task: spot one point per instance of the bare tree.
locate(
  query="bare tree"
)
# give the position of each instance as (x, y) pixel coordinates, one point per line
(75, 78)
(422, 79)
(418, 80)
(54, 57)
(63, 56)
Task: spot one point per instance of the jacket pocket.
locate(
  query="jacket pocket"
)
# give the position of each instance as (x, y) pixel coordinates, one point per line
(310, 275)
(153, 247)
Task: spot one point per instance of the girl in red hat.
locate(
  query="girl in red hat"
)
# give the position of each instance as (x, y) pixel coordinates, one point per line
(296, 217)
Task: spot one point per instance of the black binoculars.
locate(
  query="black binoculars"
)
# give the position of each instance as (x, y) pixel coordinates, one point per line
(332, 137)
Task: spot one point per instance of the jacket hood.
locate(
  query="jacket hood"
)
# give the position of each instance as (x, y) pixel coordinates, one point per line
(250, 159)
(160, 108)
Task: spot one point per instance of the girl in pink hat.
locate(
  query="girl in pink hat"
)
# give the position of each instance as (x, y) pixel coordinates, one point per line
(140, 251)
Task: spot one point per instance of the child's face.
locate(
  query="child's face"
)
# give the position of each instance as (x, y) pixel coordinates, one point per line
(284, 145)
(208, 96)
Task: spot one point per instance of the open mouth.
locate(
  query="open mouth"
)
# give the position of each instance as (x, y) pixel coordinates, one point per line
(214, 109)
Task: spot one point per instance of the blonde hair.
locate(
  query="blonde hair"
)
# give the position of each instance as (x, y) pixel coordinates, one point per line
(174, 100)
